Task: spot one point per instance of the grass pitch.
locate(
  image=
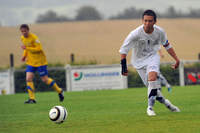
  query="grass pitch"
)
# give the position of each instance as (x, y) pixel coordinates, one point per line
(106, 111)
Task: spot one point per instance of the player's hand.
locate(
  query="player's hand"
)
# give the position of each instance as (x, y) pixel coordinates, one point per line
(23, 47)
(125, 73)
(23, 58)
(162, 55)
(176, 65)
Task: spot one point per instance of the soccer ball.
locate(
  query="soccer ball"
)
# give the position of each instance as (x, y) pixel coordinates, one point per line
(58, 114)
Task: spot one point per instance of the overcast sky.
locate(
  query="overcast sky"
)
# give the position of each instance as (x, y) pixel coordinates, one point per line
(15, 12)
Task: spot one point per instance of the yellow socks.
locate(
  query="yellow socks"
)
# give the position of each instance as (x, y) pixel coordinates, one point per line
(31, 89)
(53, 84)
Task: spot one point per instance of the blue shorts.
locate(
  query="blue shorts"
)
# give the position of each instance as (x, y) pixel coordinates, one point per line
(41, 69)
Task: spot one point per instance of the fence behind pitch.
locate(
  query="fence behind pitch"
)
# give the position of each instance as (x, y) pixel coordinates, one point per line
(13, 80)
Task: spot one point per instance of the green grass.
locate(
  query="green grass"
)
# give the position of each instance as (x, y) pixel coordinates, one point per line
(106, 111)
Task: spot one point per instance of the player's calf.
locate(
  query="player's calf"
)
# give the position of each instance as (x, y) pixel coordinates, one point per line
(171, 107)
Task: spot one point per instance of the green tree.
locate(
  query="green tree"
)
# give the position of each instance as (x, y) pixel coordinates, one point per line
(129, 13)
(88, 13)
(51, 16)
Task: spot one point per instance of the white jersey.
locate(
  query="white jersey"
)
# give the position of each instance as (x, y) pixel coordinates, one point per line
(144, 46)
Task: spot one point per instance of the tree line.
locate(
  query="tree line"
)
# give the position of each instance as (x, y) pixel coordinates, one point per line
(85, 13)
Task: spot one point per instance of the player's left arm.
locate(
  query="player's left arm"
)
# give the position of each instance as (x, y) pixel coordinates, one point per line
(169, 49)
(173, 54)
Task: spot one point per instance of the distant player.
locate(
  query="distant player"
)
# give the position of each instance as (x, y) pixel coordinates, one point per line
(36, 61)
(162, 79)
(144, 42)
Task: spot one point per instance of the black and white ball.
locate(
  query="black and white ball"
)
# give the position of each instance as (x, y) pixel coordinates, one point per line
(58, 114)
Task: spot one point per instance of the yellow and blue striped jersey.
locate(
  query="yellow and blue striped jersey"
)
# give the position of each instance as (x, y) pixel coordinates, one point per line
(34, 53)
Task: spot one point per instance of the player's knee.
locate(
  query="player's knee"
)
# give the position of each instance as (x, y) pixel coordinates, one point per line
(153, 93)
(29, 79)
(44, 79)
(152, 76)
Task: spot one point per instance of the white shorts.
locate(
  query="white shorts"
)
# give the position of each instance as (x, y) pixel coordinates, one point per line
(153, 66)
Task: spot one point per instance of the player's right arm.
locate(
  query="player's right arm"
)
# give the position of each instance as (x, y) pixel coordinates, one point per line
(24, 55)
(124, 70)
(125, 48)
(24, 51)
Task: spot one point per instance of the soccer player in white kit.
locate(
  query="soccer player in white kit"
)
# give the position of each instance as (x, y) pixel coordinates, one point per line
(145, 42)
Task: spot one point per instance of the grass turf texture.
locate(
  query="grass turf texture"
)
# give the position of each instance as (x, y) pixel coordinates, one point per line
(106, 111)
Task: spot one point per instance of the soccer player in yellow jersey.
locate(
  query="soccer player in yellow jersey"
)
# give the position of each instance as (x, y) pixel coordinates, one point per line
(36, 61)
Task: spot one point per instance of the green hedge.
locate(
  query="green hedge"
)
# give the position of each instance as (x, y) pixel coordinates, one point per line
(134, 80)
(57, 75)
(171, 75)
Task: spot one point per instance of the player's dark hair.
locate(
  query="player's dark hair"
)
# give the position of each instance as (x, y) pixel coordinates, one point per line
(150, 13)
(24, 26)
